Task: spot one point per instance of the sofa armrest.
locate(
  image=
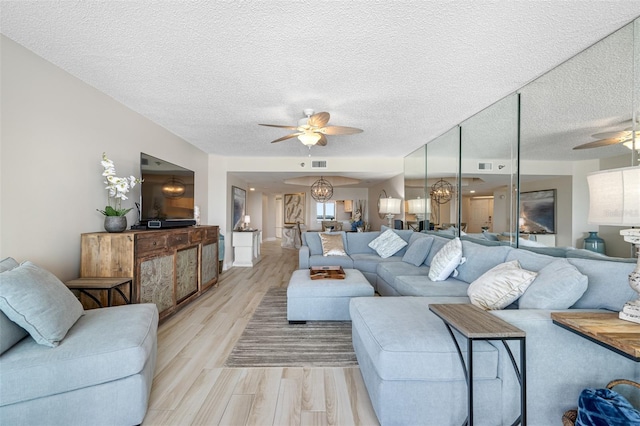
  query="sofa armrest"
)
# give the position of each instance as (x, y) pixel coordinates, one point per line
(303, 257)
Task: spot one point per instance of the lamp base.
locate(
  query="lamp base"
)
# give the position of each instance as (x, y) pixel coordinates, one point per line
(390, 219)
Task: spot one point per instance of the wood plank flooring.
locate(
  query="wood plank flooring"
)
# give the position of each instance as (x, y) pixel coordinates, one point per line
(191, 386)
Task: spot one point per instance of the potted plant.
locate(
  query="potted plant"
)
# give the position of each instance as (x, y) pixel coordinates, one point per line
(117, 188)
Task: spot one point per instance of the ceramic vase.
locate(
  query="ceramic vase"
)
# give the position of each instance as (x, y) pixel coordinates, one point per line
(594, 243)
(115, 223)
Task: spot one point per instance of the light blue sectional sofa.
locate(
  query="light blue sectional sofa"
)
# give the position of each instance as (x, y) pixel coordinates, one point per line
(87, 367)
(410, 365)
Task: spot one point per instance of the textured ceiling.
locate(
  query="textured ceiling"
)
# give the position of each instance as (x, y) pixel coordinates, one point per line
(405, 72)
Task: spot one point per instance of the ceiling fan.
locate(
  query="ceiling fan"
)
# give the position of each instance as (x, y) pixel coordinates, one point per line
(624, 137)
(312, 129)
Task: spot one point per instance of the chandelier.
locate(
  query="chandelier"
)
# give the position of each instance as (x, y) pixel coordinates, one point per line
(442, 191)
(321, 190)
(173, 188)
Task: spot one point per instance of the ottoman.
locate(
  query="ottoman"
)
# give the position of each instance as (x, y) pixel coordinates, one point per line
(324, 299)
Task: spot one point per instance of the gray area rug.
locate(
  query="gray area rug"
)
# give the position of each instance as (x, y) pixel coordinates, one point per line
(270, 341)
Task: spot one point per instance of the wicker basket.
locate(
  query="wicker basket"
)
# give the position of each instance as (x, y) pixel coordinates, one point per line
(570, 416)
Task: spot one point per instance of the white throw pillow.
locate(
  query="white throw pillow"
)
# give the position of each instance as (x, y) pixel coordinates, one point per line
(387, 244)
(558, 286)
(446, 261)
(500, 286)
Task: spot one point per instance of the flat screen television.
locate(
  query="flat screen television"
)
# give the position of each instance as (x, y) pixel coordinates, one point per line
(167, 191)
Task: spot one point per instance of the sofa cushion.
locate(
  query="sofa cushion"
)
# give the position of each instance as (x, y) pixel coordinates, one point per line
(558, 286)
(10, 332)
(358, 242)
(588, 254)
(446, 261)
(388, 271)
(479, 259)
(608, 284)
(332, 245)
(418, 250)
(421, 285)
(500, 286)
(530, 260)
(39, 302)
(399, 352)
(369, 262)
(104, 345)
(387, 244)
(7, 264)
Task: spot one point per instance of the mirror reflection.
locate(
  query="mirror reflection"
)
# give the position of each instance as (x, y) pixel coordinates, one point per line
(558, 115)
(488, 148)
(443, 156)
(417, 204)
(518, 168)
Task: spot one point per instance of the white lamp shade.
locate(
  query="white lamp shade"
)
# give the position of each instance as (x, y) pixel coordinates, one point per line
(419, 206)
(247, 219)
(390, 205)
(614, 197)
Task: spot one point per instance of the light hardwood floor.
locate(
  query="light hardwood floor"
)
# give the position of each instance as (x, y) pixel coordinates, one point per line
(192, 386)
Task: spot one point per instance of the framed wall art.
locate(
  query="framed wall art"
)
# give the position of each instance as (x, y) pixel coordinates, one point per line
(294, 208)
(239, 205)
(538, 212)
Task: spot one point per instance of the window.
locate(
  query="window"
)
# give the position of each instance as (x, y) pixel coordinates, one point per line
(326, 211)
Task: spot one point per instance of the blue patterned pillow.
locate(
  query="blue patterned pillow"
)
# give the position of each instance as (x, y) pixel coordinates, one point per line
(605, 407)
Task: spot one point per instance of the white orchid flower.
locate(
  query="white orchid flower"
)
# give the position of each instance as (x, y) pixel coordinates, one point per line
(116, 187)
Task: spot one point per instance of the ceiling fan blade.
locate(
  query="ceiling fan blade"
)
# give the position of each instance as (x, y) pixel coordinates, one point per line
(339, 130)
(319, 119)
(284, 138)
(279, 126)
(322, 141)
(601, 142)
(610, 135)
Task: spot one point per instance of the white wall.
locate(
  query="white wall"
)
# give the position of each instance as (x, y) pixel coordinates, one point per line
(54, 130)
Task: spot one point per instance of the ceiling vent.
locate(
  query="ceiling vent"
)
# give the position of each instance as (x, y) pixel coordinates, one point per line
(320, 164)
(485, 166)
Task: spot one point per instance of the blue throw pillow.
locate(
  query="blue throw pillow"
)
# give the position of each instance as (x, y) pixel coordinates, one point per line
(605, 407)
(417, 251)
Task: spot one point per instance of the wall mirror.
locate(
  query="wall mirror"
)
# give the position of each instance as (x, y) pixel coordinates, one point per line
(585, 99)
(443, 158)
(488, 171)
(581, 101)
(417, 202)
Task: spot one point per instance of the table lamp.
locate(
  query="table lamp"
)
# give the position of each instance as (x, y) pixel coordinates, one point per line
(614, 199)
(247, 221)
(390, 207)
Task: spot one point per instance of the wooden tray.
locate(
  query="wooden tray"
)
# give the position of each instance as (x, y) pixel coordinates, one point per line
(326, 273)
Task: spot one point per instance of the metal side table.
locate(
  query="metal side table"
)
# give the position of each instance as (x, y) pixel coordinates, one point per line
(476, 324)
(83, 285)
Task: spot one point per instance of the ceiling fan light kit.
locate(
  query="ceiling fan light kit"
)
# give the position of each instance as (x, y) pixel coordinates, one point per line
(311, 129)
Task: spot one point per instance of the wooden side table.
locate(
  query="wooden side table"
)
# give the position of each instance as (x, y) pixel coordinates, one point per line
(83, 285)
(477, 324)
(604, 329)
